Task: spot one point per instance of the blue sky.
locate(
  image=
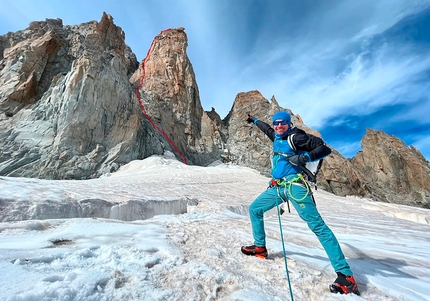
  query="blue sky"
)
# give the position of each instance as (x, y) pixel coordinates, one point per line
(343, 66)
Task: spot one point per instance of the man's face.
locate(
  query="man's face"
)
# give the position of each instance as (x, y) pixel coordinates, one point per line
(280, 126)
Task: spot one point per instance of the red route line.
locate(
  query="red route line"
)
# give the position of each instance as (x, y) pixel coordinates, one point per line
(143, 107)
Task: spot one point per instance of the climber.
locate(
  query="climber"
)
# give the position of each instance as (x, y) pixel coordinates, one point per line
(292, 149)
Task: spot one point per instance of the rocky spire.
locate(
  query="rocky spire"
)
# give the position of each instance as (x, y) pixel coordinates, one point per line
(171, 97)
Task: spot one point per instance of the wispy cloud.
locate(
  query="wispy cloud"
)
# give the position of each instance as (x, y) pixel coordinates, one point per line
(347, 148)
(306, 77)
(355, 59)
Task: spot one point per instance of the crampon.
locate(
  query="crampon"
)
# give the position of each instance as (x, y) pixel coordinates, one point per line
(260, 252)
(344, 285)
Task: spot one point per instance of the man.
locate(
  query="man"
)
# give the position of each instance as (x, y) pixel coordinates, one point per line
(292, 148)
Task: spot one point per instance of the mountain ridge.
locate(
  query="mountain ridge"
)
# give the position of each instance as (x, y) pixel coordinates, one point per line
(69, 111)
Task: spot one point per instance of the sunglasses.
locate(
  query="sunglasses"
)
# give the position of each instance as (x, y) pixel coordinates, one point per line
(283, 122)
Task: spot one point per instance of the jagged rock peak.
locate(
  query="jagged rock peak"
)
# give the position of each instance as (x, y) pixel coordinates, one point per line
(49, 24)
(112, 35)
(396, 172)
(170, 94)
(68, 111)
(255, 101)
(214, 116)
(251, 102)
(166, 64)
(246, 144)
(274, 101)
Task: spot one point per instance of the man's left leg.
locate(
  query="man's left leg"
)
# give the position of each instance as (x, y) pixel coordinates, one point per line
(307, 210)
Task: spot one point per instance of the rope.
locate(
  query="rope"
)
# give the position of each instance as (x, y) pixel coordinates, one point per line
(290, 184)
(285, 193)
(143, 107)
(285, 254)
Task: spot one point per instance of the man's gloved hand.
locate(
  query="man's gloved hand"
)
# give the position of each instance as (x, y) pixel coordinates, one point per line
(299, 160)
(250, 119)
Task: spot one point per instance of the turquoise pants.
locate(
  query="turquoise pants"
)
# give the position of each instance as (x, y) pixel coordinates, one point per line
(307, 211)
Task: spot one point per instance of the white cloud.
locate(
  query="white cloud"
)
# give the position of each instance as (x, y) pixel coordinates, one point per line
(309, 87)
(348, 148)
(301, 70)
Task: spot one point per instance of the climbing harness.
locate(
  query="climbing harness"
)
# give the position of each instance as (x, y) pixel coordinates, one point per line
(143, 107)
(299, 180)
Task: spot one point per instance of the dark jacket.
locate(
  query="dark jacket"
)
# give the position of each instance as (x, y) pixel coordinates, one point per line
(294, 141)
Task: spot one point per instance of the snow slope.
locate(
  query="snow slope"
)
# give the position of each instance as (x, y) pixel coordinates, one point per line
(161, 230)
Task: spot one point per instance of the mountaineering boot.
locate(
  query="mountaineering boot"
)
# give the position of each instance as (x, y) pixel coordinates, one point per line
(260, 252)
(344, 285)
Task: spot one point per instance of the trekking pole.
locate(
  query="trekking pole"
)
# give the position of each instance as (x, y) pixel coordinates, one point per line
(285, 254)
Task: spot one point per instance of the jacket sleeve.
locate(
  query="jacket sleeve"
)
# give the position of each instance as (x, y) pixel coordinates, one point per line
(266, 129)
(314, 145)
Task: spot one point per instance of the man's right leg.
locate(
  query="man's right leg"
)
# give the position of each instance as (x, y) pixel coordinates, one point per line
(264, 202)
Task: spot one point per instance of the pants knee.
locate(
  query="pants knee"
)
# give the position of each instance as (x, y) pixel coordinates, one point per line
(255, 211)
(317, 226)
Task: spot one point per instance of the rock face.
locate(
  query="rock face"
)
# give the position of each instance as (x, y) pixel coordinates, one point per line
(339, 176)
(246, 144)
(394, 172)
(171, 97)
(69, 109)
